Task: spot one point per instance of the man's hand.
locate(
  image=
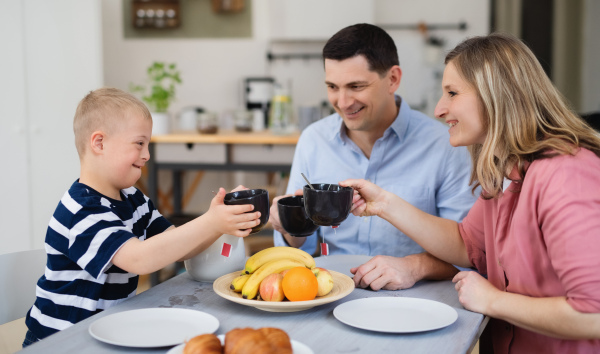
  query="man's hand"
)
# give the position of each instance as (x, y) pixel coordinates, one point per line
(386, 272)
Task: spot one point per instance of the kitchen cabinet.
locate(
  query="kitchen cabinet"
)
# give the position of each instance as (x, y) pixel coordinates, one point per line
(315, 19)
(49, 67)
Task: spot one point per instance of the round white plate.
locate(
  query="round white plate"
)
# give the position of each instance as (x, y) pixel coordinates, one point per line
(395, 314)
(297, 347)
(153, 327)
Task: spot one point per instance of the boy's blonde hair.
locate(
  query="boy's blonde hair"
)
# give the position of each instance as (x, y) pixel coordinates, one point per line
(524, 115)
(103, 109)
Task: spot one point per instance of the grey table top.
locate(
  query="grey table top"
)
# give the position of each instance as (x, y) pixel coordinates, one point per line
(317, 327)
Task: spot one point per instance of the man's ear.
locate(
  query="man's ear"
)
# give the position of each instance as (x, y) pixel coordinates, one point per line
(97, 142)
(395, 75)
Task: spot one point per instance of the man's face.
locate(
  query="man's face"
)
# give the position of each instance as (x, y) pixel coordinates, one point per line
(359, 96)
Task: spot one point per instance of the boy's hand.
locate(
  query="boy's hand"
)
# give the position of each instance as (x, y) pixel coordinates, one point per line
(231, 219)
(238, 188)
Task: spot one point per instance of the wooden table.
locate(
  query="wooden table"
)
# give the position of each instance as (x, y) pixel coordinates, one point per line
(317, 327)
(225, 151)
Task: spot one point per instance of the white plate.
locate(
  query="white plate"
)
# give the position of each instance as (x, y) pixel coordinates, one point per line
(153, 327)
(395, 314)
(297, 347)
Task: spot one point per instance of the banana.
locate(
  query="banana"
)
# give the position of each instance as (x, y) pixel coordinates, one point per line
(273, 253)
(238, 282)
(252, 285)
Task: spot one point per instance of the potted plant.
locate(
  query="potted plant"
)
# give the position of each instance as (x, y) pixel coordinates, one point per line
(158, 93)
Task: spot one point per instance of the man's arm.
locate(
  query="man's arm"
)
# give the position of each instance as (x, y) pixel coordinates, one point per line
(454, 197)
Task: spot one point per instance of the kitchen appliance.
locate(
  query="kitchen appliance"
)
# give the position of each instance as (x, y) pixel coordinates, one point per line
(258, 93)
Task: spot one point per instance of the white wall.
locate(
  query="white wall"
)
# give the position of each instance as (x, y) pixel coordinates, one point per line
(51, 58)
(14, 147)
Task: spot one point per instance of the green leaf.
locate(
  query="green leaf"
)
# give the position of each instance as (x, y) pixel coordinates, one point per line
(160, 91)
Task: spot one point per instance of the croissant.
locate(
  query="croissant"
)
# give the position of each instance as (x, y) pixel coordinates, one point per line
(280, 341)
(249, 340)
(203, 344)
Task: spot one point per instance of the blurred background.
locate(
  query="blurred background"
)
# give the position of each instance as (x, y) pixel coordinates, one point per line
(55, 52)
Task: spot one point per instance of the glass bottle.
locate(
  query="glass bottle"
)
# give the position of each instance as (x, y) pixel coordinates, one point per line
(281, 115)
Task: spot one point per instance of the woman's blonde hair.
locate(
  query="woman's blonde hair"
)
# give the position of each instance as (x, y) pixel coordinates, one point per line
(524, 115)
(103, 109)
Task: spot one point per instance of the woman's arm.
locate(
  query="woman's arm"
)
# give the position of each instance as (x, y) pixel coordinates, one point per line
(436, 235)
(550, 316)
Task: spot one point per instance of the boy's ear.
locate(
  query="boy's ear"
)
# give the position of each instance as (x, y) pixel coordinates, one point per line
(97, 142)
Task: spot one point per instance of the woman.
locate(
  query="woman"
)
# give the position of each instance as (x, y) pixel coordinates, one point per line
(538, 241)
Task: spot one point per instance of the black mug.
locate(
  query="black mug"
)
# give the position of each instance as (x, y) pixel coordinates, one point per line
(293, 217)
(257, 197)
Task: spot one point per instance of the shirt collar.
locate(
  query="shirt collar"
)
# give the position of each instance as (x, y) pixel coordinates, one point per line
(399, 126)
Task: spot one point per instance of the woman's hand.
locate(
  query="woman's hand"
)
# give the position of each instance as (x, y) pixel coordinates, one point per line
(475, 292)
(369, 199)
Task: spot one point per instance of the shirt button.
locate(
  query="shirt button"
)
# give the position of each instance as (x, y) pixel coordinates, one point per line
(365, 219)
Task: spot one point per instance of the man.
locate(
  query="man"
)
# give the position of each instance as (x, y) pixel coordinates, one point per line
(376, 136)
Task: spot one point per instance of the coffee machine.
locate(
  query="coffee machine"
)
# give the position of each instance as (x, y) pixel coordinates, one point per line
(258, 93)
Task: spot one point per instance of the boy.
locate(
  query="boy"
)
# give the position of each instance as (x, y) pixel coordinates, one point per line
(105, 232)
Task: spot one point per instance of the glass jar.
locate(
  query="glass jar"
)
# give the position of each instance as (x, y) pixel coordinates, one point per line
(208, 123)
(281, 119)
(243, 121)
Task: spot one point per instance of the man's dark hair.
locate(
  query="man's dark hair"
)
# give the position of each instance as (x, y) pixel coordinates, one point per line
(363, 39)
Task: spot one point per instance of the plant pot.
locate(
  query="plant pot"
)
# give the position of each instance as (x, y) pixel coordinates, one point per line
(160, 123)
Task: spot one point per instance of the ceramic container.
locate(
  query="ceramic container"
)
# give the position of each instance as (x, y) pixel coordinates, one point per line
(227, 254)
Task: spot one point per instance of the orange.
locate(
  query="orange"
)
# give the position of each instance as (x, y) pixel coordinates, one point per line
(300, 284)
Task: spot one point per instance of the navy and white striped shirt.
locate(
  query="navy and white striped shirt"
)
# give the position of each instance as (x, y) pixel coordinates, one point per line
(85, 232)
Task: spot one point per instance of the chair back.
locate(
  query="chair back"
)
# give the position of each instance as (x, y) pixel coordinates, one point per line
(19, 273)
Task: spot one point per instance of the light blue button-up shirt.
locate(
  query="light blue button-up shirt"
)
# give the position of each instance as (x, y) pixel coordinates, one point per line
(413, 159)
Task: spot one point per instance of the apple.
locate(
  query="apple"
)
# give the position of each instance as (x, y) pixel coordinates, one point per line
(283, 273)
(324, 279)
(271, 289)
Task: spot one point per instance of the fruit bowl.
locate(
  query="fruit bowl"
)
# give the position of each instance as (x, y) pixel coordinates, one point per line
(342, 286)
